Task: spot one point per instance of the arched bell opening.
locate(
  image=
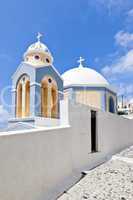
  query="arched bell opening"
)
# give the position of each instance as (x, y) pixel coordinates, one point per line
(23, 97)
(54, 106)
(27, 98)
(19, 101)
(49, 98)
(44, 99)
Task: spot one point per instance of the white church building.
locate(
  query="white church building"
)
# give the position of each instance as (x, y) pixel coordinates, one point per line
(86, 86)
(38, 88)
(61, 126)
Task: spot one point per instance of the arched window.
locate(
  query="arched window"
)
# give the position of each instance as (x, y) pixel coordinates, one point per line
(111, 105)
(19, 100)
(54, 107)
(23, 97)
(44, 98)
(49, 98)
(27, 98)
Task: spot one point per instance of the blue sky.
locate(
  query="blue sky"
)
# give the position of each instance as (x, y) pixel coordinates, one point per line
(99, 30)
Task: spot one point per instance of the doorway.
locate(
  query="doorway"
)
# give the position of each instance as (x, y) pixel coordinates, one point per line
(93, 131)
(111, 105)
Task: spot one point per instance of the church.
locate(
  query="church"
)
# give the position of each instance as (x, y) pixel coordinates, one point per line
(38, 88)
(61, 127)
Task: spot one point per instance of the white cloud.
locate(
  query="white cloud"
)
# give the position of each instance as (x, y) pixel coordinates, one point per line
(124, 39)
(129, 19)
(130, 13)
(125, 89)
(120, 74)
(112, 5)
(119, 69)
(123, 64)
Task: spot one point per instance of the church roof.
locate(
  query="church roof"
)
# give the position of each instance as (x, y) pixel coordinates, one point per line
(38, 47)
(83, 76)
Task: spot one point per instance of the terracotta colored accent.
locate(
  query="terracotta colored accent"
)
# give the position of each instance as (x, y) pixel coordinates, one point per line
(49, 98)
(27, 99)
(19, 101)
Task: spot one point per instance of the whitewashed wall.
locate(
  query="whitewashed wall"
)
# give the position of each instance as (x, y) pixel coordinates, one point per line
(115, 132)
(38, 165)
(33, 163)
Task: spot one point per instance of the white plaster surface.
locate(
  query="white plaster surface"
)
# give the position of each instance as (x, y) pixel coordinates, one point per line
(83, 76)
(46, 122)
(41, 163)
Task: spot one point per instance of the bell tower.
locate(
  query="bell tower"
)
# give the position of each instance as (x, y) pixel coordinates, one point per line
(37, 85)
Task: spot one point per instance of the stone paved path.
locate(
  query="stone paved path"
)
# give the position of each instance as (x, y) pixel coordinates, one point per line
(110, 181)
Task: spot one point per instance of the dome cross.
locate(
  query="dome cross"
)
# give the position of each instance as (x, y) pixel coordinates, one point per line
(39, 35)
(80, 61)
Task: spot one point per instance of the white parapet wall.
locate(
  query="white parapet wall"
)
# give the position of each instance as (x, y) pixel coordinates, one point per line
(46, 122)
(40, 164)
(115, 132)
(64, 112)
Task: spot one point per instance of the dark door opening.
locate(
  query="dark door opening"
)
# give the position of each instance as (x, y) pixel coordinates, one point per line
(111, 105)
(93, 131)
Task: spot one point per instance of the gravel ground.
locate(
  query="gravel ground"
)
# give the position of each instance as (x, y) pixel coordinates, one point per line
(110, 181)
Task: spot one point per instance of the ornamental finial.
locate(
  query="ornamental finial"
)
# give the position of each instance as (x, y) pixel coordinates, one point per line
(80, 61)
(39, 35)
